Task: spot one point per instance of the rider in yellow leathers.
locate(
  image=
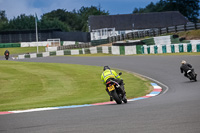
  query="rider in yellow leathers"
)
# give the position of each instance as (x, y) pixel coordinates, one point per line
(108, 75)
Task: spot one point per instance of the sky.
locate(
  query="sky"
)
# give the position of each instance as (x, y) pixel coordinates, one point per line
(14, 8)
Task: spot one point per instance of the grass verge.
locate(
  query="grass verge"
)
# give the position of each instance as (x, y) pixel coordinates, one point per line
(190, 35)
(26, 85)
(22, 50)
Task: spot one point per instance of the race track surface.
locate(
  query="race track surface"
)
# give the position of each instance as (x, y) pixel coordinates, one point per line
(177, 110)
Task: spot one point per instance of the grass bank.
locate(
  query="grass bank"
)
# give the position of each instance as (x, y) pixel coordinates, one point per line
(190, 35)
(26, 85)
(22, 50)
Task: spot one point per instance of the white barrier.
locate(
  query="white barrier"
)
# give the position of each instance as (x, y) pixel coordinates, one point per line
(74, 52)
(194, 47)
(60, 52)
(93, 50)
(35, 44)
(195, 41)
(65, 43)
(115, 50)
(129, 50)
(34, 55)
(21, 56)
(48, 49)
(162, 40)
(45, 54)
(105, 49)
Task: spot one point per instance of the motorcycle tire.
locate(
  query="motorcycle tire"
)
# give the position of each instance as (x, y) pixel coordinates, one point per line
(195, 79)
(116, 97)
(124, 100)
(191, 77)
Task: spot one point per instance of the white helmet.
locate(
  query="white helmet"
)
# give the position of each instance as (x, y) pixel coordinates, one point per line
(183, 62)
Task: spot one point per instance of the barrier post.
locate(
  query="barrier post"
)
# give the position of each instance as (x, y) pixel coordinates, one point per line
(181, 48)
(189, 47)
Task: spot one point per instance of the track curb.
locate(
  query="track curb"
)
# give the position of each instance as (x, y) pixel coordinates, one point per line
(156, 91)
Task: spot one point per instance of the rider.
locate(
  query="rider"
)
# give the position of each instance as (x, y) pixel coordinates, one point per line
(185, 67)
(108, 75)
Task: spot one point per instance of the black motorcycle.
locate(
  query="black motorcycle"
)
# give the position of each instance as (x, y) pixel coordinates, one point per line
(191, 75)
(7, 56)
(116, 92)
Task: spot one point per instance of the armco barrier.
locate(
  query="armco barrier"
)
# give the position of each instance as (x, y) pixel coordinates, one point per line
(121, 50)
(9, 45)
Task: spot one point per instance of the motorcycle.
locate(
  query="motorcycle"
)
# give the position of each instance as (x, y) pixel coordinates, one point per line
(191, 75)
(116, 92)
(7, 56)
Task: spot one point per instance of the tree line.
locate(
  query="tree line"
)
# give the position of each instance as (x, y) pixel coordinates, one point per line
(56, 19)
(77, 20)
(188, 8)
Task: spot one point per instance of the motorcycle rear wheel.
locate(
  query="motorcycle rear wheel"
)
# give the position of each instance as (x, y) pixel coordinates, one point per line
(116, 97)
(192, 76)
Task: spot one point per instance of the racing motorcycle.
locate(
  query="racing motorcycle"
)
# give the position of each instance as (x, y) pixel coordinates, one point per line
(7, 56)
(191, 75)
(116, 92)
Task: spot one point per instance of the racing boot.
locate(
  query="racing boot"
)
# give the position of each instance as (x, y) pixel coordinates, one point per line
(111, 98)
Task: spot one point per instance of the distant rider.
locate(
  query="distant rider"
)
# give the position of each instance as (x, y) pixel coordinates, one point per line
(185, 67)
(108, 75)
(7, 53)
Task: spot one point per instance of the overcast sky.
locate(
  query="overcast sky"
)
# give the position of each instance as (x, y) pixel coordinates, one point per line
(14, 8)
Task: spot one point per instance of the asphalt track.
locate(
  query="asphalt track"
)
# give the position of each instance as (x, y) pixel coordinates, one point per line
(177, 110)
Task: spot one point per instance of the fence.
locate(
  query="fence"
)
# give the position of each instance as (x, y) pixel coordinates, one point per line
(85, 45)
(154, 32)
(43, 35)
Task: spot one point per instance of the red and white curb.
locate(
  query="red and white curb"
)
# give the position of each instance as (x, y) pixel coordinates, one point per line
(157, 90)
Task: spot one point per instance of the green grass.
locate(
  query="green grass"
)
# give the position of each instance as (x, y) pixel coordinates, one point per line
(22, 50)
(26, 85)
(189, 35)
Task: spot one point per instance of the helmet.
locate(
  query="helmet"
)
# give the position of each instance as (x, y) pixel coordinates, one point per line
(183, 62)
(106, 67)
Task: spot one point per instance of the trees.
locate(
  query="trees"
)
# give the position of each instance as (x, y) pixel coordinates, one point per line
(84, 13)
(75, 20)
(189, 8)
(22, 22)
(3, 20)
(69, 19)
(56, 19)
